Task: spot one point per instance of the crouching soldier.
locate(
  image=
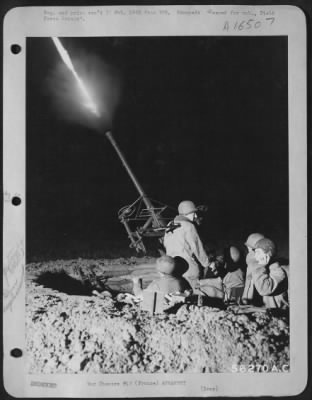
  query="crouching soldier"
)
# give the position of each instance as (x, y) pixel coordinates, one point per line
(269, 283)
(224, 278)
(233, 280)
(250, 244)
(170, 281)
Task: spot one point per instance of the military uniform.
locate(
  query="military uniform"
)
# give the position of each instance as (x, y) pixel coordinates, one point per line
(266, 285)
(169, 284)
(185, 242)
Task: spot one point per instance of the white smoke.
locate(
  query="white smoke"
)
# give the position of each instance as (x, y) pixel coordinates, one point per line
(102, 81)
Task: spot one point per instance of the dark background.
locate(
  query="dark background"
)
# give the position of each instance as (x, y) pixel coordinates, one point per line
(201, 118)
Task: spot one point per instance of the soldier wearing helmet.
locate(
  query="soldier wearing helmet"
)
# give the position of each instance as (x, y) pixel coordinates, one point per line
(169, 281)
(224, 279)
(250, 243)
(233, 280)
(184, 241)
(269, 283)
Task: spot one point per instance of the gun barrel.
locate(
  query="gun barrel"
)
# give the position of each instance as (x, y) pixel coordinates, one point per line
(134, 179)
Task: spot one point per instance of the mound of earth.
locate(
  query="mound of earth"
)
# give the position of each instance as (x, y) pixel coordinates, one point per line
(69, 330)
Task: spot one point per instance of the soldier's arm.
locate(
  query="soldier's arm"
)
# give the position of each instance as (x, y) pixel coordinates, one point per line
(196, 245)
(266, 280)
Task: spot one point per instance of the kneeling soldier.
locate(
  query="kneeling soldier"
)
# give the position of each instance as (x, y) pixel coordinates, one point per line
(269, 279)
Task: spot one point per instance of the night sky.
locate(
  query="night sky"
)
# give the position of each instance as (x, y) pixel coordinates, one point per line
(200, 118)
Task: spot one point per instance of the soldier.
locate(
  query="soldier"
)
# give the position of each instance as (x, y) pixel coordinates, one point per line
(251, 245)
(183, 241)
(269, 280)
(170, 277)
(233, 280)
(224, 279)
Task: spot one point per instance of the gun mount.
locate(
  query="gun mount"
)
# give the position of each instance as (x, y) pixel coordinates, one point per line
(144, 217)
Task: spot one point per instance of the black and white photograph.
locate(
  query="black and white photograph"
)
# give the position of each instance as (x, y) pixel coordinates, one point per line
(114, 123)
(157, 206)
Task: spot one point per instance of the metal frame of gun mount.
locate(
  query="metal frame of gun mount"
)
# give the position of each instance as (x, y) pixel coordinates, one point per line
(145, 214)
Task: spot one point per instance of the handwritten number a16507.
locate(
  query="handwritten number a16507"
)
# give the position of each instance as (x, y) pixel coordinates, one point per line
(245, 24)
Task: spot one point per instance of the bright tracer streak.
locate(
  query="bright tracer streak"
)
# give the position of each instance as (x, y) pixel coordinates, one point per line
(65, 57)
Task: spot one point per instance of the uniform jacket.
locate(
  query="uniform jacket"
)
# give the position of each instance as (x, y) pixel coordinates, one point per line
(185, 242)
(234, 279)
(169, 284)
(267, 281)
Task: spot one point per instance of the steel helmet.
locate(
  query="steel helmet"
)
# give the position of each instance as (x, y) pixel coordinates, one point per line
(181, 266)
(186, 207)
(267, 246)
(253, 239)
(165, 264)
(234, 254)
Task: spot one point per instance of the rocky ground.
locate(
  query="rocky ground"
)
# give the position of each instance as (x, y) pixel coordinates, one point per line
(71, 330)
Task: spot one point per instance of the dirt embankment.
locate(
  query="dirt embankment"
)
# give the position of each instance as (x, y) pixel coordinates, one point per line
(69, 330)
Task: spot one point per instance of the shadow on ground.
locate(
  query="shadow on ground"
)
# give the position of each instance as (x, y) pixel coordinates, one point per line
(63, 283)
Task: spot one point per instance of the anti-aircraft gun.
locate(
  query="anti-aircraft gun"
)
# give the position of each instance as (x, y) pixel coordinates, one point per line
(144, 217)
